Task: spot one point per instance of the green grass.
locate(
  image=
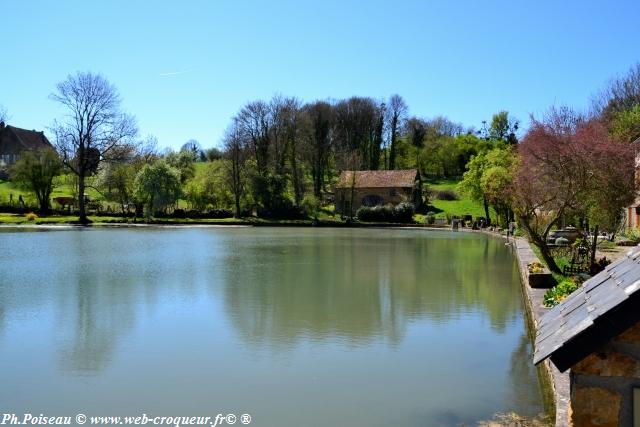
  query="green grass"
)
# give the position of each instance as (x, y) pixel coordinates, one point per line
(442, 183)
(459, 208)
(20, 219)
(63, 187)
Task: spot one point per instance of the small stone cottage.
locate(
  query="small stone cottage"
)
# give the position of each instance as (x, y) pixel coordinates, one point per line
(372, 188)
(14, 141)
(595, 333)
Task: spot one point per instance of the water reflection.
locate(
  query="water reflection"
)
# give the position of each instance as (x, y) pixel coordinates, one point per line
(364, 288)
(419, 321)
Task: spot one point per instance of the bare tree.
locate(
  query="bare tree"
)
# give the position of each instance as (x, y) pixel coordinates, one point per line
(397, 114)
(318, 122)
(94, 127)
(620, 94)
(417, 130)
(4, 116)
(440, 126)
(193, 146)
(235, 154)
(356, 128)
(254, 122)
(292, 124)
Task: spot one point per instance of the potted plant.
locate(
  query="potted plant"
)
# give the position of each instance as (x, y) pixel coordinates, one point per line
(539, 276)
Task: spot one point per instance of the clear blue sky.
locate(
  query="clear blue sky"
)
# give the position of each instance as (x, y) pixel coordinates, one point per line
(184, 68)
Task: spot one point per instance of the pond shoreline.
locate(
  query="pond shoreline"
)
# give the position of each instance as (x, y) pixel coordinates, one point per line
(555, 384)
(239, 223)
(555, 381)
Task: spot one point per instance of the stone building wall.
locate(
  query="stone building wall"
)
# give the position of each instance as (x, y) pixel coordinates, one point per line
(602, 383)
(388, 195)
(10, 147)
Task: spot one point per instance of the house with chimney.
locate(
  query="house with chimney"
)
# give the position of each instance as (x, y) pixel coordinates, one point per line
(14, 141)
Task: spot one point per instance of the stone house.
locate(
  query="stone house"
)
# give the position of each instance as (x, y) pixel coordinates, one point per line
(595, 333)
(372, 188)
(13, 141)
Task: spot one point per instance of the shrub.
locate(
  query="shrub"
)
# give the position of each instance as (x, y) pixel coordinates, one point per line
(556, 294)
(281, 208)
(375, 213)
(218, 213)
(447, 195)
(403, 212)
(310, 206)
(31, 216)
(430, 218)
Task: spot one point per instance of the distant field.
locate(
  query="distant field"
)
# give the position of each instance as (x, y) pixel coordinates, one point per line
(463, 206)
(62, 188)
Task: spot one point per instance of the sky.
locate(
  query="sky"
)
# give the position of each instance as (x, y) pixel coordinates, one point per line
(185, 68)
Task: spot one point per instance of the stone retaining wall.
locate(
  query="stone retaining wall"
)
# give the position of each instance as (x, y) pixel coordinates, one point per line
(559, 381)
(556, 380)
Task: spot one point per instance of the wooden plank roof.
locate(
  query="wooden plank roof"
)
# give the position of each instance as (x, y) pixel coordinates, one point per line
(603, 307)
(405, 178)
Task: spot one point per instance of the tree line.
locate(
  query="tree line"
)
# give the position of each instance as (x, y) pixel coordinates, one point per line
(280, 157)
(277, 156)
(570, 168)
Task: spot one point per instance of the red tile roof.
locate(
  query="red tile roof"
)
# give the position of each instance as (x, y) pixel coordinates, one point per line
(378, 179)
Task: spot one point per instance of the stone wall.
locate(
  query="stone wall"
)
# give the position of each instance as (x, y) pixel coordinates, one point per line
(388, 195)
(557, 381)
(602, 383)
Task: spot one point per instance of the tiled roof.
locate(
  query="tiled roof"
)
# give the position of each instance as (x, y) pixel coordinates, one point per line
(586, 311)
(30, 139)
(378, 179)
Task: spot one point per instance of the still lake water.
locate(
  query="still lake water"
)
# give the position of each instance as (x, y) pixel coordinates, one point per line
(296, 327)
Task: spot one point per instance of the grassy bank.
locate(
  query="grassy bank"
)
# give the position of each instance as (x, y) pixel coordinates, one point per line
(463, 206)
(22, 219)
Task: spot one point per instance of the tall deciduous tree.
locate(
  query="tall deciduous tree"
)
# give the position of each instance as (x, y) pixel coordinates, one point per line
(504, 128)
(565, 165)
(93, 128)
(625, 125)
(35, 171)
(235, 155)
(417, 130)
(194, 147)
(356, 128)
(158, 186)
(621, 94)
(318, 119)
(397, 114)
